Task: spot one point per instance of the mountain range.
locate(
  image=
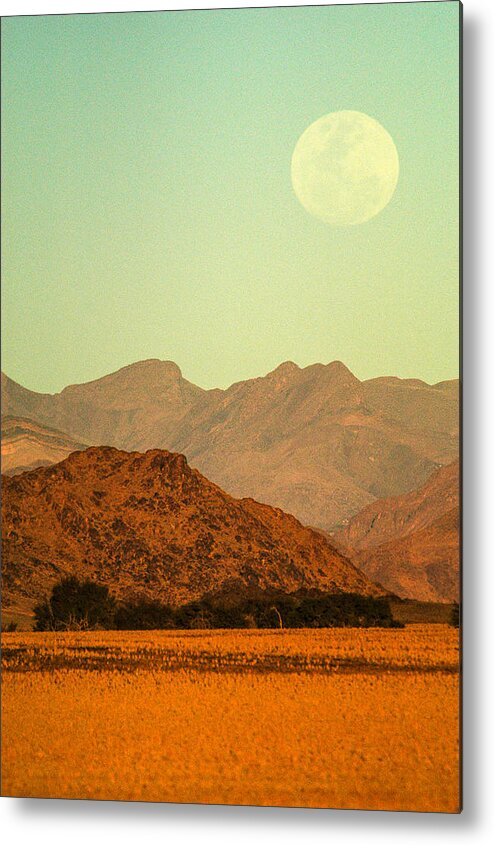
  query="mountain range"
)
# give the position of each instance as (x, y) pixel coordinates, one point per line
(148, 525)
(315, 441)
(410, 543)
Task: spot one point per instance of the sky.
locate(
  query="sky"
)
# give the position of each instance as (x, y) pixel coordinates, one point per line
(147, 204)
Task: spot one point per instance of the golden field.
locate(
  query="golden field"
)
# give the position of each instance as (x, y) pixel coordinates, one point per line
(347, 718)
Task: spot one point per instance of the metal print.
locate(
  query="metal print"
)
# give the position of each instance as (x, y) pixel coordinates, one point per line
(230, 406)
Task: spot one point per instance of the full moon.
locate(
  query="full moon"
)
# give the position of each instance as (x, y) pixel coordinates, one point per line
(345, 168)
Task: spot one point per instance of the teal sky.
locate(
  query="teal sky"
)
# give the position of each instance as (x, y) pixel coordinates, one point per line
(148, 210)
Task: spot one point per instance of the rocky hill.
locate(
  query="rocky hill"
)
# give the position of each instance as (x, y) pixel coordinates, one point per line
(410, 543)
(316, 441)
(149, 525)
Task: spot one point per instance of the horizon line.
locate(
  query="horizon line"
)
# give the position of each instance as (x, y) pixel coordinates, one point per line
(291, 363)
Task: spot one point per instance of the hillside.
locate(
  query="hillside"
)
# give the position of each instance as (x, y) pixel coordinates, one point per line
(112, 410)
(410, 543)
(149, 525)
(27, 444)
(316, 441)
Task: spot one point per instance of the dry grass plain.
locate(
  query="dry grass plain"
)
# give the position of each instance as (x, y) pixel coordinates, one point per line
(347, 718)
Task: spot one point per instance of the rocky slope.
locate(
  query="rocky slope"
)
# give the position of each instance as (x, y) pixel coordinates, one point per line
(410, 543)
(316, 441)
(27, 444)
(149, 525)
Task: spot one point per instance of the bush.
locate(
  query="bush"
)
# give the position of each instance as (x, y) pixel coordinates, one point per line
(302, 610)
(143, 616)
(75, 606)
(84, 605)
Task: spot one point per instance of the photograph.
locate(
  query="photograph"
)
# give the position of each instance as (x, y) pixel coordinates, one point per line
(231, 411)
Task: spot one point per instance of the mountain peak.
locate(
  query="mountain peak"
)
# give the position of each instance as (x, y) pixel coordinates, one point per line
(147, 523)
(285, 370)
(149, 371)
(151, 383)
(287, 366)
(338, 368)
(154, 364)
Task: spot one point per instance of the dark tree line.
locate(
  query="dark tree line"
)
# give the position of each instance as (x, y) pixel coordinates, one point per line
(84, 605)
(76, 605)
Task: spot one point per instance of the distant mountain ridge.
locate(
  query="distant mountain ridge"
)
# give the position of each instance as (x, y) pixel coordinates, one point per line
(410, 543)
(148, 525)
(27, 445)
(111, 410)
(314, 441)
